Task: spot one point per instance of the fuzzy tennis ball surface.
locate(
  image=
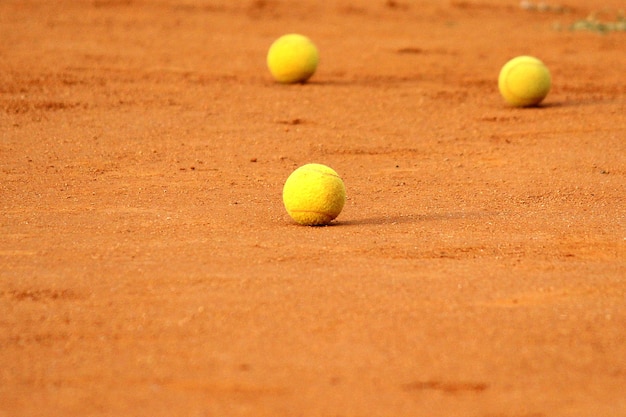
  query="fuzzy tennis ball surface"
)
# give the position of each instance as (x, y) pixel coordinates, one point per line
(524, 81)
(292, 58)
(314, 195)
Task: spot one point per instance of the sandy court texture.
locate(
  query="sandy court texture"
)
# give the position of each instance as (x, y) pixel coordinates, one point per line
(148, 267)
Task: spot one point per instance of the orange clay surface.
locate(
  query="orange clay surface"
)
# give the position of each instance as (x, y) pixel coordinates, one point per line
(149, 268)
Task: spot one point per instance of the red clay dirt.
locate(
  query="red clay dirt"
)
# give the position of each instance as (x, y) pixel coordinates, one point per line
(149, 268)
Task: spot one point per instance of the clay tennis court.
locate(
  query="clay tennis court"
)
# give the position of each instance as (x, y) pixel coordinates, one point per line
(149, 268)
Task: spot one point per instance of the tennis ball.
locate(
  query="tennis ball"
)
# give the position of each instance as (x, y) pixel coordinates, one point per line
(524, 81)
(314, 195)
(292, 58)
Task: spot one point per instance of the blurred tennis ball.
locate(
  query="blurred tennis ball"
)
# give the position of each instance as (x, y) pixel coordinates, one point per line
(524, 81)
(292, 58)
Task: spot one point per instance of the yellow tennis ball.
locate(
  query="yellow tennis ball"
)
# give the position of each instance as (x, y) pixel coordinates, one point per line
(314, 195)
(524, 81)
(292, 58)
